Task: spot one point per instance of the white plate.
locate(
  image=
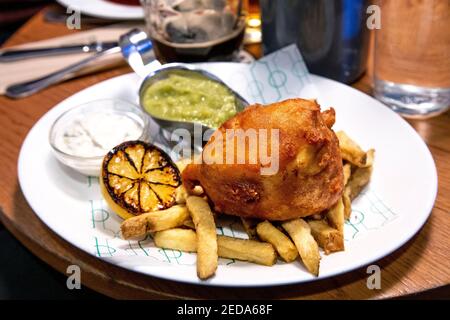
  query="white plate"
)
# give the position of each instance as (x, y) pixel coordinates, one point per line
(105, 9)
(390, 211)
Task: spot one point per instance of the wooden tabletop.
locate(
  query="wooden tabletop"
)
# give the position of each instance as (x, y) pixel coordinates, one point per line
(422, 264)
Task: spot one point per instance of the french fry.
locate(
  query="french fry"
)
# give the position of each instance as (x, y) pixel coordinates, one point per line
(347, 203)
(177, 239)
(317, 216)
(232, 248)
(370, 157)
(300, 233)
(282, 244)
(247, 250)
(250, 227)
(347, 172)
(328, 238)
(189, 224)
(352, 152)
(358, 180)
(206, 236)
(181, 195)
(336, 216)
(154, 221)
(197, 191)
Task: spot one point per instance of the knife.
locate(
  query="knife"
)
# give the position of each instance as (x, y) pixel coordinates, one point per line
(21, 54)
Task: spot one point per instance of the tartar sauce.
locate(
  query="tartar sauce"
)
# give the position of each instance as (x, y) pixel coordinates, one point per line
(95, 134)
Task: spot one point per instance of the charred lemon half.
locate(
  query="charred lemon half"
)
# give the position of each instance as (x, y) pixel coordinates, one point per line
(138, 177)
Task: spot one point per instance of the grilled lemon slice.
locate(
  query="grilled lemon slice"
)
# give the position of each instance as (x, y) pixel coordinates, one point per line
(138, 177)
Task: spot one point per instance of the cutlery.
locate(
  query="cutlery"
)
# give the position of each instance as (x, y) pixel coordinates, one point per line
(135, 46)
(25, 89)
(20, 54)
(137, 50)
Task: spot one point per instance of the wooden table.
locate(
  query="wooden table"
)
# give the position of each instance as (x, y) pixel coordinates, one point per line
(422, 264)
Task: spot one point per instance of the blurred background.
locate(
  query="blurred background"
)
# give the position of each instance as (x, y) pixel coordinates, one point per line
(13, 13)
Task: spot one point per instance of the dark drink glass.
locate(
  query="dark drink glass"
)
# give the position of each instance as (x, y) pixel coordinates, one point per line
(195, 31)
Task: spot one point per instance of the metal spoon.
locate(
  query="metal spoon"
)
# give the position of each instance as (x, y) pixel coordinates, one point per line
(137, 48)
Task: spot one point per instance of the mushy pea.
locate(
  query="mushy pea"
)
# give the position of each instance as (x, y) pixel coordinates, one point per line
(190, 98)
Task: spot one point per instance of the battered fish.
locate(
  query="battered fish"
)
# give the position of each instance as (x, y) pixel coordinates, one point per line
(309, 178)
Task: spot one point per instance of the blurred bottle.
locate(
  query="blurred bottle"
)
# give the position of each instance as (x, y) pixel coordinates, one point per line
(412, 57)
(331, 34)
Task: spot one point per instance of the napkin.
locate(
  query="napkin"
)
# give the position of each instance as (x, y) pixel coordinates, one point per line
(280, 75)
(25, 70)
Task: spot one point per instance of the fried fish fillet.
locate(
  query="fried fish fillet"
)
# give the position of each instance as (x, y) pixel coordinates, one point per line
(309, 178)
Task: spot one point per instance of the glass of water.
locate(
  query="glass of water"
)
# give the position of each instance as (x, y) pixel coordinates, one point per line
(412, 57)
